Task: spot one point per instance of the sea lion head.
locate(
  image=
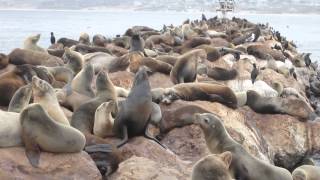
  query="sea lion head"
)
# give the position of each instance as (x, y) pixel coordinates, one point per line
(169, 96)
(103, 81)
(141, 76)
(34, 39)
(26, 72)
(84, 38)
(4, 60)
(209, 122)
(299, 174)
(40, 87)
(73, 59)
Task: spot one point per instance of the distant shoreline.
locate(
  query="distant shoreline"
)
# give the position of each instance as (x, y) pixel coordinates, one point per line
(158, 11)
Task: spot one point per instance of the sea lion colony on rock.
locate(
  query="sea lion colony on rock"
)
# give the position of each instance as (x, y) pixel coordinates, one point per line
(208, 60)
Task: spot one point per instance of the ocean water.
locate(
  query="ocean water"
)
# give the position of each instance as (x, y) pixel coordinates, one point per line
(16, 25)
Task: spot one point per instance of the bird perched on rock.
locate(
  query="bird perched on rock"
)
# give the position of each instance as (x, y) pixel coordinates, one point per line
(52, 38)
(307, 59)
(254, 73)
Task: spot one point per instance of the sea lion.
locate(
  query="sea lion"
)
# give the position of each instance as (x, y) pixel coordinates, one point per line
(23, 56)
(185, 69)
(20, 99)
(44, 94)
(136, 111)
(306, 172)
(100, 60)
(155, 65)
(67, 42)
(137, 43)
(31, 44)
(85, 49)
(200, 91)
(52, 38)
(213, 167)
(135, 61)
(71, 100)
(41, 132)
(276, 105)
(103, 120)
(73, 60)
(123, 41)
(193, 43)
(167, 59)
(99, 40)
(10, 129)
(84, 38)
(81, 83)
(243, 165)
(60, 74)
(221, 74)
(166, 38)
(4, 61)
(83, 117)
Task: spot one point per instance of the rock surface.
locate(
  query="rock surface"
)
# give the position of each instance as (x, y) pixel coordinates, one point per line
(15, 165)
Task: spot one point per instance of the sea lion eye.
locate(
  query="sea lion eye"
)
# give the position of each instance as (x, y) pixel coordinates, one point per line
(206, 120)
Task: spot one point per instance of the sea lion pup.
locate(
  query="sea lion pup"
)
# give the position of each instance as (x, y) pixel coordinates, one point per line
(243, 165)
(84, 38)
(83, 117)
(221, 74)
(44, 94)
(103, 120)
(31, 44)
(136, 111)
(4, 61)
(185, 69)
(73, 60)
(200, 91)
(213, 167)
(136, 43)
(23, 56)
(20, 99)
(10, 129)
(81, 83)
(276, 105)
(67, 42)
(41, 132)
(306, 172)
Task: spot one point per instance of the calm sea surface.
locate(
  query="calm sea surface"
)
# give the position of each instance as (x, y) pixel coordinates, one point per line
(15, 25)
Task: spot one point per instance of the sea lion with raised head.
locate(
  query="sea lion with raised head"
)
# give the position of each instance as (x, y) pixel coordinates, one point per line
(136, 111)
(31, 44)
(243, 165)
(137, 43)
(20, 99)
(213, 167)
(44, 94)
(185, 69)
(103, 120)
(200, 91)
(73, 60)
(81, 83)
(41, 132)
(84, 38)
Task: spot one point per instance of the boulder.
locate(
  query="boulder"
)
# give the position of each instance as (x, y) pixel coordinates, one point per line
(15, 165)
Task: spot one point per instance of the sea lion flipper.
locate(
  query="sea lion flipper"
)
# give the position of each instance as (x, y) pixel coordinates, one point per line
(124, 137)
(32, 151)
(146, 135)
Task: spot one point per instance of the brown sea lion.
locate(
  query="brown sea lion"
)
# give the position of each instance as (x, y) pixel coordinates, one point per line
(22, 56)
(41, 132)
(200, 91)
(67, 42)
(221, 74)
(166, 38)
(85, 49)
(185, 69)
(243, 165)
(99, 40)
(213, 167)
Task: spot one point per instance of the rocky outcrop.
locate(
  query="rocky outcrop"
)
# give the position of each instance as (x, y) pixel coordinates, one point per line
(15, 165)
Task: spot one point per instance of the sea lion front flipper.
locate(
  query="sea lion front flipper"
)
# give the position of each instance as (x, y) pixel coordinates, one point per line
(32, 150)
(124, 137)
(148, 136)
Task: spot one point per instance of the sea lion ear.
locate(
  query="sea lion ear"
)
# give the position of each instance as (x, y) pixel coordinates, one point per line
(226, 157)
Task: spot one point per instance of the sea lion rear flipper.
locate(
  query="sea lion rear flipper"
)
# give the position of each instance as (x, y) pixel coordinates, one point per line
(124, 137)
(146, 135)
(32, 150)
